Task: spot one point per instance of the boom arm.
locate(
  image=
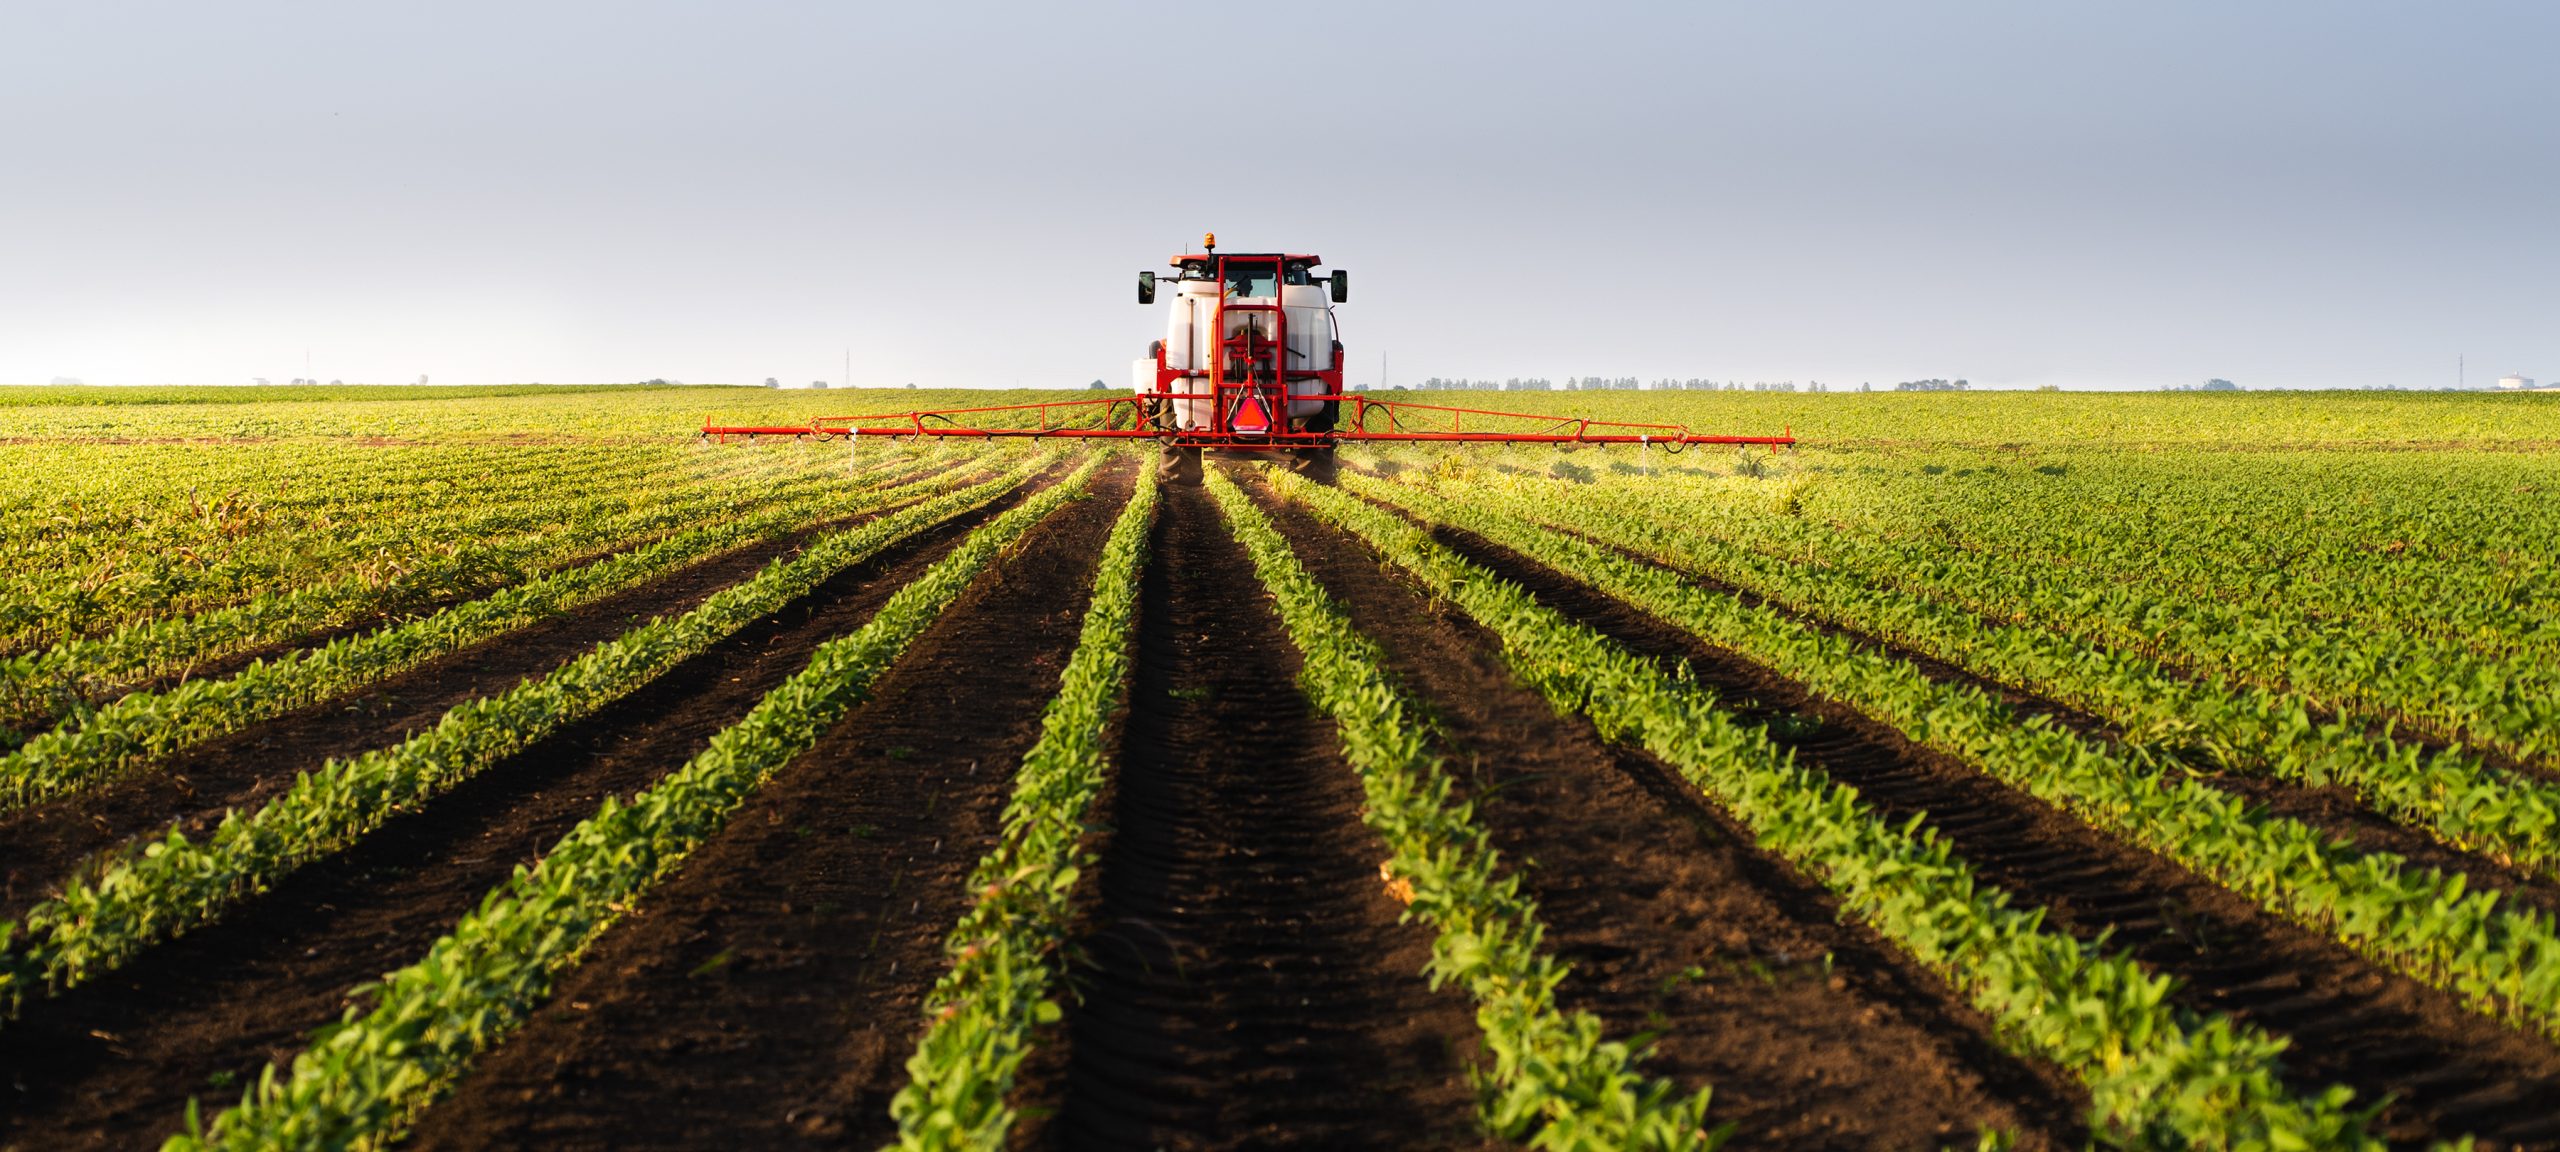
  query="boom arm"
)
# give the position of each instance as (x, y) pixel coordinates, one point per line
(1131, 418)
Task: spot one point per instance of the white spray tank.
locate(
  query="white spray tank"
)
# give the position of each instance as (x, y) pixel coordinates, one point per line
(1311, 367)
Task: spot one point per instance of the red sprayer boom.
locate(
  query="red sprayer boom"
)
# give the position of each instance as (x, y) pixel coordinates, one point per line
(1128, 418)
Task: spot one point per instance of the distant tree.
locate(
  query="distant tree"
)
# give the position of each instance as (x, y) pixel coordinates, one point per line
(817, 383)
(422, 378)
(2218, 384)
(1097, 386)
(260, 381)
(770, 382)
(337, 383)
(911, 385)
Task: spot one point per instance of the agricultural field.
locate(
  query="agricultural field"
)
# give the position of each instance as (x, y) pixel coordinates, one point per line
(512, 768)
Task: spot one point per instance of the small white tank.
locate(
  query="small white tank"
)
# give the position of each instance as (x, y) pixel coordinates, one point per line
(2515, 382)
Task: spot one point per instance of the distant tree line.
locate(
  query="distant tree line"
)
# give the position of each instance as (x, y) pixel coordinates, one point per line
(1933, 385)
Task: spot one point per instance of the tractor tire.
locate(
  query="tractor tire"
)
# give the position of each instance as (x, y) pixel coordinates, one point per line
(1315, 464)
(1181, 466)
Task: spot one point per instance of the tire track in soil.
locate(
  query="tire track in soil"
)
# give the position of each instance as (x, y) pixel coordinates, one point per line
(41, 845)
(768, 994)
(2451, 1072)
(2333, 809)
(112, 1063)
(1246, 982)
(1813, 1033)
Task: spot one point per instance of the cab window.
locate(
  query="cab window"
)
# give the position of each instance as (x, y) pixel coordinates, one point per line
(1250, 280)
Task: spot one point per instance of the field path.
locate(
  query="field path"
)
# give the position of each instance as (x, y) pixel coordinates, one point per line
(112, 1063)
(1249, 985)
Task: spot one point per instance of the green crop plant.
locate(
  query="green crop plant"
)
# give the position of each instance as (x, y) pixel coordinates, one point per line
(2449, 793)
(2503, 962)
(359, 1080)
(143, 726)
(1556, 1081)
(1007, 950)
(2158, 1076)
(531, 538)
(156, 888)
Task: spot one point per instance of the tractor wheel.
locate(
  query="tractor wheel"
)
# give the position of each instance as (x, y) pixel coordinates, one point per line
(1315, 463)
(1181, 465)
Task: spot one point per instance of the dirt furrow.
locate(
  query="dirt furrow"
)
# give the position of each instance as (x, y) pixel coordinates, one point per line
(767, 996)
(1813, 1034)
(112, 1063)
(41, 845)
(2450, 1071)
(1247, 984)
(2333, 809)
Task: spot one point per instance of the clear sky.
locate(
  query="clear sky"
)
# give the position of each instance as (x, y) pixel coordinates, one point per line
(2086, 194)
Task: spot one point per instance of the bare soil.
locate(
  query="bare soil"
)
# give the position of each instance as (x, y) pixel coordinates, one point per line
(2332, 809)
(768, 995)
(1246, 983)
(2447, 1070)
(1812, 1033)
(112, 1063)
(40, 846)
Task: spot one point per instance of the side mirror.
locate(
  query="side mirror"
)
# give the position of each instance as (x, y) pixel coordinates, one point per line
(1146, 287)
(1341, 286)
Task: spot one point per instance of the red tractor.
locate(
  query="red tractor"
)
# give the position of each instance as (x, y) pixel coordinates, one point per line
(1250, 361)
(1250, 355)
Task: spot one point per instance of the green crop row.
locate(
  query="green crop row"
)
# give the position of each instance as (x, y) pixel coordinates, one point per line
(2131, 563)
(2450, 794)
(2504, 963)
(151, 552)
(362, 1078)
(2158, 1076)
(143, 726)
(149, 890)
(40, 688)
(2399, 552)
(1556, 1082)
(1006, 950)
